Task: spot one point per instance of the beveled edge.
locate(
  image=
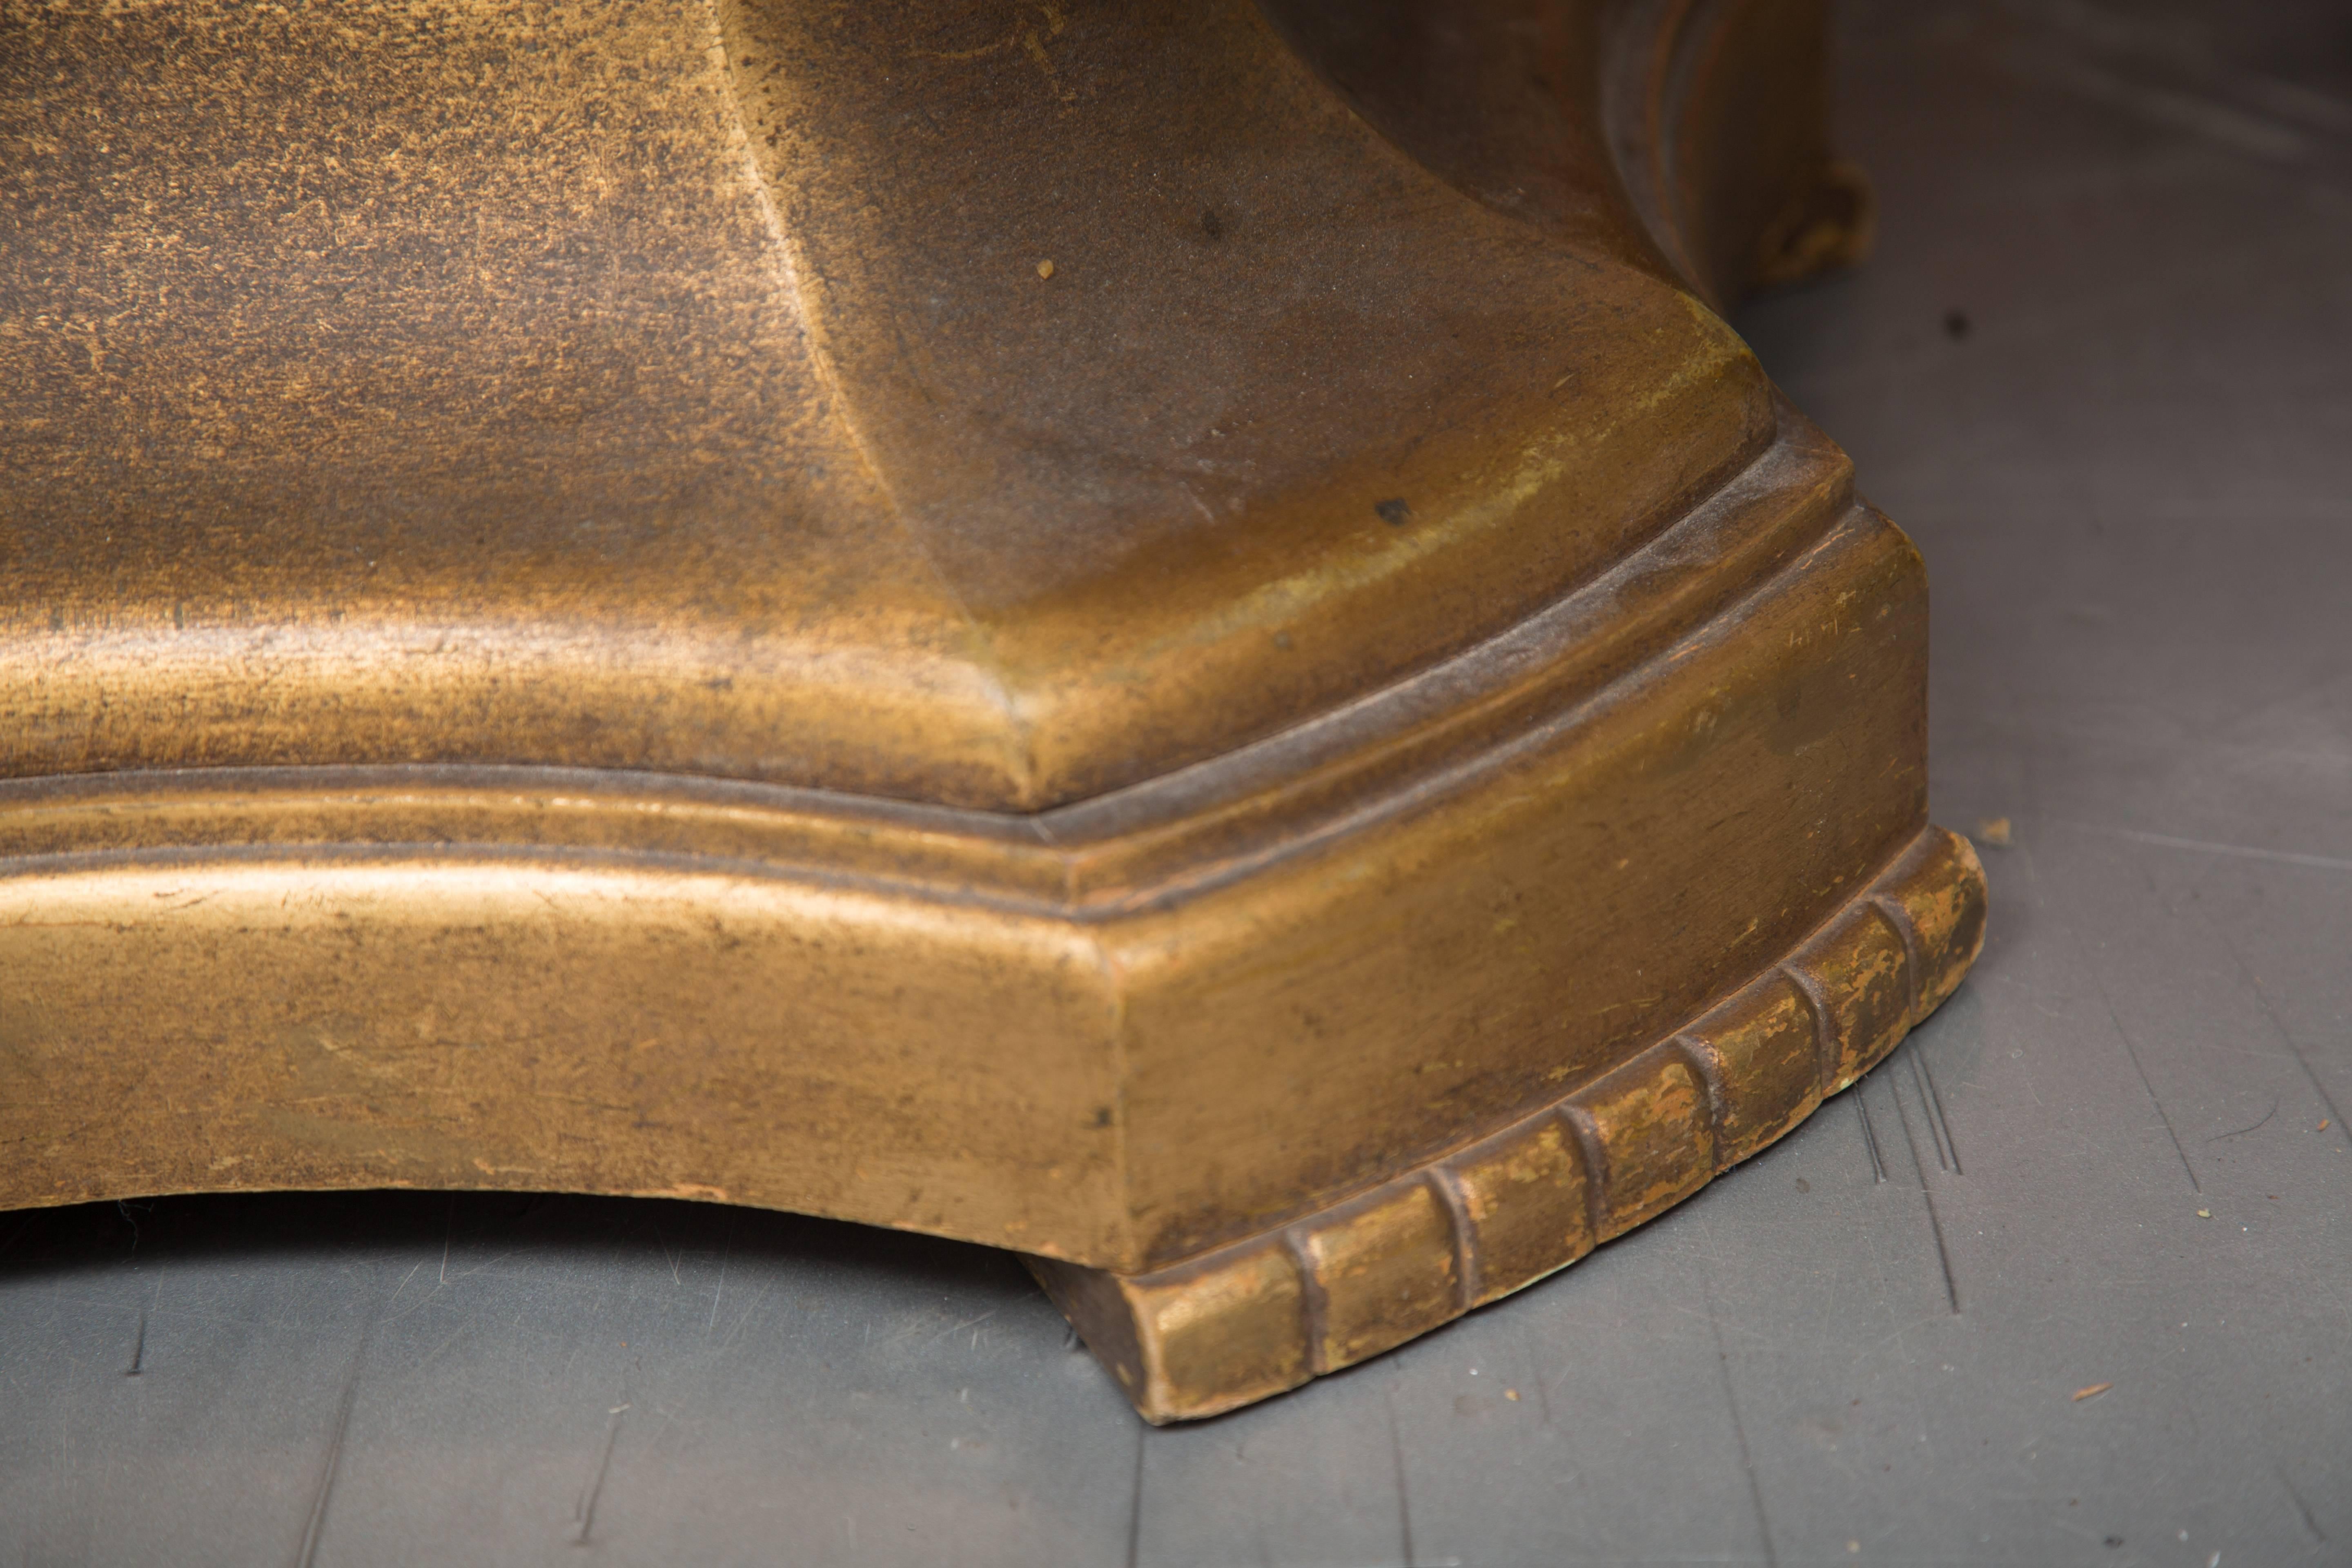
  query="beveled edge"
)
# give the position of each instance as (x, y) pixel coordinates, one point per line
(1267, 1313)
(1146, 845)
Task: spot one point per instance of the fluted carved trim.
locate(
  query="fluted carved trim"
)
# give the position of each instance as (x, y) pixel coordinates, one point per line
(1497, 1215)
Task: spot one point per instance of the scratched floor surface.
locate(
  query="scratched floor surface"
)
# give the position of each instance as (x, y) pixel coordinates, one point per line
(2101, 368)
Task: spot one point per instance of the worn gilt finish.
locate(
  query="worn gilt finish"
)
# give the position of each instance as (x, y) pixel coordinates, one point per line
(1166, 634)
(1359, 1276)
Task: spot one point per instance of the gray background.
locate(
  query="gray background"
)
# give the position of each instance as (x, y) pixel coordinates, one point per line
(2102, 369)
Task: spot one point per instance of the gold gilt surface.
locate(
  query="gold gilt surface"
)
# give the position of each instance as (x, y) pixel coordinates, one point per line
(1359, 1278)
(1099, 628)
(650, 386)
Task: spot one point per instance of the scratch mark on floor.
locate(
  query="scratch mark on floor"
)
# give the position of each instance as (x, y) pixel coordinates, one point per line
(744, 1317)
(1543, 1383)
(1935, 1220)
(583, 1512)
(2219, 123)
(959, 1328)
(670, 1257)
(477, 1268)
(1739, 1428)
(315, 1526)
(1943, 1255)
(1937, 1119)
(2262, 1000)
(1135, 1502)
(2304, 1508)
(1935, 1134)
(404, 1284)
(138, 1347)
(2232, 851)
(2268, 1117)
(2132, 1050)
(1870, 1137)
(431, 1355)
(1396, 1454)
(2089, 965)
(725, 1254)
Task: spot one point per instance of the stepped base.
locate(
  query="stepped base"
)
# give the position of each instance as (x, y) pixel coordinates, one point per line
(1361, 1277)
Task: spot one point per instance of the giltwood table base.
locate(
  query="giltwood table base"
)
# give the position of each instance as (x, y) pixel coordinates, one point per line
(1166, 633)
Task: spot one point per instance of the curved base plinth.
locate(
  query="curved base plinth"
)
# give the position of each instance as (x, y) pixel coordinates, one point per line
(954, 671)
(1362, 1276)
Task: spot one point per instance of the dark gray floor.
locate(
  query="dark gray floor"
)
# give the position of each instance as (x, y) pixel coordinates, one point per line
(2101, 368)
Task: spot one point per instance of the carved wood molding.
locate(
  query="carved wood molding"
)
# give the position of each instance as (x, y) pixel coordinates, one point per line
(1366, 1274)
(1100, 627)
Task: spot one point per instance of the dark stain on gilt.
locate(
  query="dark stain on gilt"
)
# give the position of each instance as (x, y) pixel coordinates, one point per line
(1394, 511)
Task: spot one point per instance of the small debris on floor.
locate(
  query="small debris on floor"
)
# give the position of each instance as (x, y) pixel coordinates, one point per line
(2204, 1213)
(1045, 271)
(2322, 1123)
(1512, 1395)
(2093, 1392)
(1994, 831)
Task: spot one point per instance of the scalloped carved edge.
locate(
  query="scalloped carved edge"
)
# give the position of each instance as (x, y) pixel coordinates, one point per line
(1361, 1277)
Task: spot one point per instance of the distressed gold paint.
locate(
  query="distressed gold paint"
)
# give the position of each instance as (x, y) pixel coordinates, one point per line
(1135, 665)
(1381, 1261)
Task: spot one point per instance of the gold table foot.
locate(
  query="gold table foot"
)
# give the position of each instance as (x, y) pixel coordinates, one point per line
(1100, 628)
(1364, 1275)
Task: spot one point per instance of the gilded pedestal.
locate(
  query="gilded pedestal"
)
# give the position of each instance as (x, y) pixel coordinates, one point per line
(1169, 636)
